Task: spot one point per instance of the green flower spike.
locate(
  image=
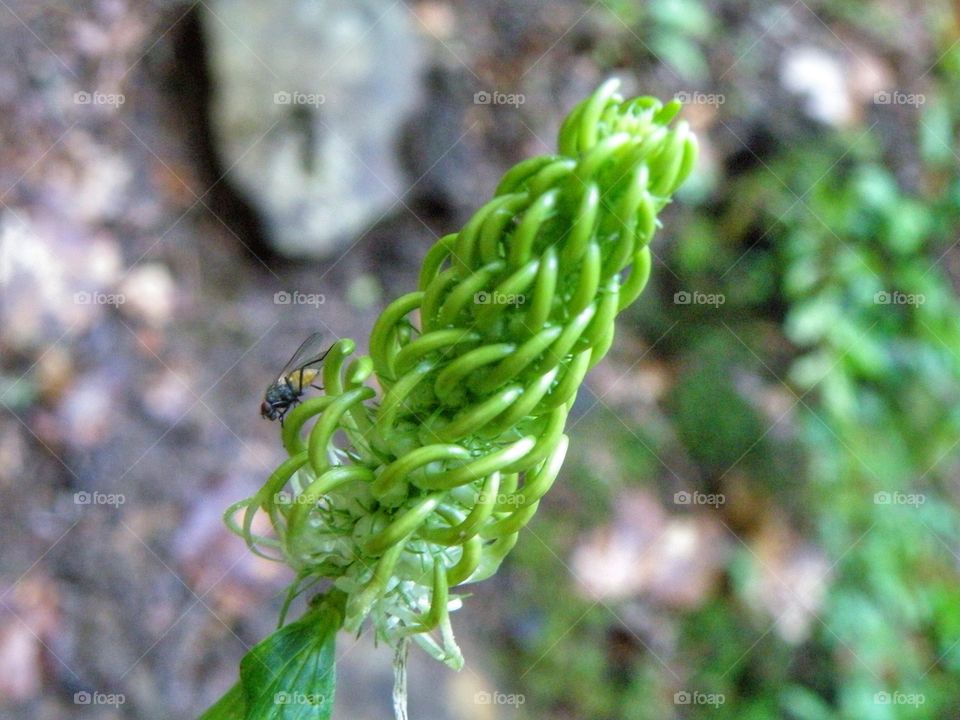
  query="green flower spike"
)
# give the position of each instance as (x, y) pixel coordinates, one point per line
(401, 500)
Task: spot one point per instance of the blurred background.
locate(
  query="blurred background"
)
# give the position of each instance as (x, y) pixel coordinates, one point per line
(760, 513)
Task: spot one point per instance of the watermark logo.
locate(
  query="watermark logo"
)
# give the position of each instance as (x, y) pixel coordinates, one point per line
(98, 498)
(499, 698)
(698, 298)
(299, 698)
(98, 698)
(899, 698)
(694, 697)
(298, 298)
(285, 498)
(898, 298)
(84, 97)
(503, 499)
(483, 97)
(699, 98)
(899, 498)
(888, 97)
(698, 498)
(499, 298)
(98, 298)
(298, 98)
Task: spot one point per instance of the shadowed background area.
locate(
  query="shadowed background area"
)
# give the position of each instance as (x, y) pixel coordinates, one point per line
(758, 516)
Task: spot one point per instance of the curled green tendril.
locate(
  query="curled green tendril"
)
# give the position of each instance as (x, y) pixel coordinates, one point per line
(399, 501)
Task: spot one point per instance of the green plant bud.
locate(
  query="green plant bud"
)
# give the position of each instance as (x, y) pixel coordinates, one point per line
(398, 500)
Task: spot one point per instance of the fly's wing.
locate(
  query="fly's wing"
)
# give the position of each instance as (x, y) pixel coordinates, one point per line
(303, 367)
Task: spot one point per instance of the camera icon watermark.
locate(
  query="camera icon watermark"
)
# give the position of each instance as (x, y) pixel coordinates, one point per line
(498, 298)
(285, 498)
(898, 298)
(695, 697)
(98, 298)
(299, 698)
(895, 97)
(498, 698)
(899, 498)
(698, 498)
(98, 498)
(502, 499)
(284, 97)
(98, 698)
(899, 698)
(485, 97)
(298, 298)
(86, 97)
(695, 97)
(696, 297)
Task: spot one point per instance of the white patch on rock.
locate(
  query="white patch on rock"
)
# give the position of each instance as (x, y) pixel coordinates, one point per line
(308, 103)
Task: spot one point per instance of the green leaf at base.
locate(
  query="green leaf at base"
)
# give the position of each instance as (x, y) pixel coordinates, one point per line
(290, 675)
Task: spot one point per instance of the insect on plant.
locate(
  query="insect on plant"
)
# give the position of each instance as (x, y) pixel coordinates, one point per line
(299, 372)
(392, 506)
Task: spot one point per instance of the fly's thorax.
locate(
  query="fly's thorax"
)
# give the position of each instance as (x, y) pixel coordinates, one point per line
(281, 392)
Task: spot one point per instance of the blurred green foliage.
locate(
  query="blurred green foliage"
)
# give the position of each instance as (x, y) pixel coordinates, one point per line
(832, 249)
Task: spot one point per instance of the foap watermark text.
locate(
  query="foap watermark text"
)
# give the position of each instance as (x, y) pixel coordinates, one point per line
(899, 498)
(695, 697)
(483, 97)
(298, 298)
(698, 298)
(698, 498)
(298, 98)
(499, 298)
(98, 498)
(498, 698)
(699, 98)
(113, 100)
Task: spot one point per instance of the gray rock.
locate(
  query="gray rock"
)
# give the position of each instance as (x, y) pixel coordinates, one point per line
(308, 99)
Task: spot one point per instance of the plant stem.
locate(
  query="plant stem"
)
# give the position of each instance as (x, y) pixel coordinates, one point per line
(400, 681)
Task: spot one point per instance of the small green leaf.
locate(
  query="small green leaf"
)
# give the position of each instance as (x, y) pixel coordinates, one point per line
(290, 675)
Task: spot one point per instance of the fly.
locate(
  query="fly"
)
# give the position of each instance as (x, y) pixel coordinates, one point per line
(296, 376)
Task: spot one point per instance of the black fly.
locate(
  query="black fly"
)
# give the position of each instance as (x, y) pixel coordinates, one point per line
(297, 374)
